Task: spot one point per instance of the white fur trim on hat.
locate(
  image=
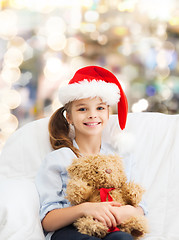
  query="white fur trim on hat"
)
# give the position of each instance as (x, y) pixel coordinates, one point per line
(108, 92)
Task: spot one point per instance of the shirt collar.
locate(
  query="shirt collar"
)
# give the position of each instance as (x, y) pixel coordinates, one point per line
(76, 146)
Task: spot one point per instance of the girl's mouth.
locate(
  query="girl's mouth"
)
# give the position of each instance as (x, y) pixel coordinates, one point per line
(92, 124)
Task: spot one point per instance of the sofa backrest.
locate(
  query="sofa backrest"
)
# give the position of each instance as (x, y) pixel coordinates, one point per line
(154, 149)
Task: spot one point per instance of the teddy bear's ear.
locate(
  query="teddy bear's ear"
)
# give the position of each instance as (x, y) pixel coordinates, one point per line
(73, 168)
(79, 166)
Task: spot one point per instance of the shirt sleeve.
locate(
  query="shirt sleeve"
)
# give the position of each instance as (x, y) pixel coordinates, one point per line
(51, 180)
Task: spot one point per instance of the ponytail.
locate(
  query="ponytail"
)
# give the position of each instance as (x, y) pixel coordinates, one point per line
(59, 130)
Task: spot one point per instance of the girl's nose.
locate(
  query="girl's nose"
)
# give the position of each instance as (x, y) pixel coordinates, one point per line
(92, 114)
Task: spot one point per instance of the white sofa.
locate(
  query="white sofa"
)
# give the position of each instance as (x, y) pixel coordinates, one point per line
(156, 141)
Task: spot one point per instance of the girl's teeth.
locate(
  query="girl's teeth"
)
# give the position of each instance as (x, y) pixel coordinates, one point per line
(92, 124)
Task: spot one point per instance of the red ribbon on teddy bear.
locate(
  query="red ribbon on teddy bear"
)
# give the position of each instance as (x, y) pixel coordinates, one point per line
(105, 195)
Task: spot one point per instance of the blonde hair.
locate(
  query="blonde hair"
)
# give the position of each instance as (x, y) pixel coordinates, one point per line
(59, 130)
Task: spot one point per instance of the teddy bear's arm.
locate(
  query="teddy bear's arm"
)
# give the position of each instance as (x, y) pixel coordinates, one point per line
(132, 193)
(78, 191)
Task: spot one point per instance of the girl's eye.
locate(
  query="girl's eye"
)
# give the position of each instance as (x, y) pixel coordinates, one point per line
(82, 109)
(100, 108)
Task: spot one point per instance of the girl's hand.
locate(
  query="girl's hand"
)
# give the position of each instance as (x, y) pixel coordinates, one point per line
(124, 212)
(103, 212)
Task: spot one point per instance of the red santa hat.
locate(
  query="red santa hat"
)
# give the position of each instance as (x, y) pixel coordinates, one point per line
(95, 81)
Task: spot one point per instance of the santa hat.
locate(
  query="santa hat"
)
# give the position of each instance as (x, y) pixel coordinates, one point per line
(94, 81)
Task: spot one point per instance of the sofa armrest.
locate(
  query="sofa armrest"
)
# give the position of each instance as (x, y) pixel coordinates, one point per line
(19, 218)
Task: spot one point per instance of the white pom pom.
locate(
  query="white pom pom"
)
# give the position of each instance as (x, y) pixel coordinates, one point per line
(123, 142)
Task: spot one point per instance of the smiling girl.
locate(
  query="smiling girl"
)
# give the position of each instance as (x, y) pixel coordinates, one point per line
(86, 100)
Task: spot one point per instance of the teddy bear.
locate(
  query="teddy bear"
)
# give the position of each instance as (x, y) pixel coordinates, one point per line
(97, 178)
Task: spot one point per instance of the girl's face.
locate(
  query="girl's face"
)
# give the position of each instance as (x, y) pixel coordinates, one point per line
(89, 116)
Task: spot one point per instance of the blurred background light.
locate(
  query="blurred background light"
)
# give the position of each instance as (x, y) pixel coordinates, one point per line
(10, 74)
(42, 44)
(91, 16)
(74, 47)
(8, 24)
(56, 42)
(11, 98)
(4, 112)
(55, 25)
(52, 68)
(140, 106)
(13, 57)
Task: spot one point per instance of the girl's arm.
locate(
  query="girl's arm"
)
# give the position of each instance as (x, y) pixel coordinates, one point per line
(103, 212)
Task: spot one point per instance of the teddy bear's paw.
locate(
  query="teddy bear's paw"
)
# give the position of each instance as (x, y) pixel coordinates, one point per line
(136, 226)
(133, 193)
(87, 225)
(77, 191)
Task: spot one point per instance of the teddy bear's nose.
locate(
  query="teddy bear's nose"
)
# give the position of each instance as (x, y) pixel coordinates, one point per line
(108, 171)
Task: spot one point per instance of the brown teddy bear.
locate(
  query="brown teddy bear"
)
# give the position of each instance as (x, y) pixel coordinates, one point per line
(97, 178)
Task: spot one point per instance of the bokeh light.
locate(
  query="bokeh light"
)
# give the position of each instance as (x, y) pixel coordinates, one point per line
(13, 57)
(56, 42)
(42, 44)
(8, 24)
(10, 74)
(11, 98)
(140, 106)
(74, 47)
(52, 68)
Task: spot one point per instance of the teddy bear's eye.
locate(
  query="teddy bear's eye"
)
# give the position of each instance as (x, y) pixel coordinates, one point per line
(96, 172)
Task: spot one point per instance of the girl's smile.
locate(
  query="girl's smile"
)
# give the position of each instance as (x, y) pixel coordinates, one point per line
(92, 124)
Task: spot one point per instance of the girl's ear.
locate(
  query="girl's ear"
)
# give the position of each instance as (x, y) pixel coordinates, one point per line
(109, 111)
(68, 118)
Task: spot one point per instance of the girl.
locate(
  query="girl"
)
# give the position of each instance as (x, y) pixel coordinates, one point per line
(86, 101)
